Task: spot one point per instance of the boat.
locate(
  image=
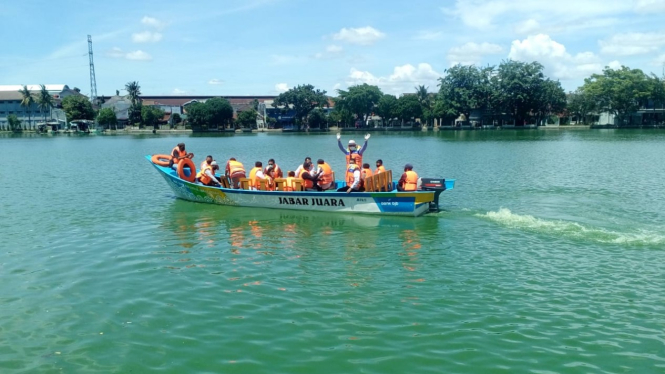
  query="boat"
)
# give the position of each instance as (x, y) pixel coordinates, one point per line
(412, 203)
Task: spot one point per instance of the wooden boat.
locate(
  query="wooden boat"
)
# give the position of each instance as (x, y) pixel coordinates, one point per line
(413, 204)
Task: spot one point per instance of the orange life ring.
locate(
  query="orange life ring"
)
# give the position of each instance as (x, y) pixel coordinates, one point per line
(192, 170)
(161, 160)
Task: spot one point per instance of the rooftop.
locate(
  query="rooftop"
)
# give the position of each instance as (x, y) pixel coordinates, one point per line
(33, 87)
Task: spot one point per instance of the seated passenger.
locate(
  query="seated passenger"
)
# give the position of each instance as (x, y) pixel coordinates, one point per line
(409, 180)
(206, 162)
(273, 170)
(325, 174)
(290, 184)
(307, 159)
(353, 179)
(178, 153)
(207, 175)
(255, 175)
(379, 167)
(365, 173)
(309, 180)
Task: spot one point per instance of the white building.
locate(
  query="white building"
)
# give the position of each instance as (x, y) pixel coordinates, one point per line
(10, 102)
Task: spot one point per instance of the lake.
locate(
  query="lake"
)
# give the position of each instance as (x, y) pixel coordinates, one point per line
(548, 257)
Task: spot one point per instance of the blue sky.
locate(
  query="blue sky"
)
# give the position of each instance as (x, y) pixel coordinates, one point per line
(262, 47)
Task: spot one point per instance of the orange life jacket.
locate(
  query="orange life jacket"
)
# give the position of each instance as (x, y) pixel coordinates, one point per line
(290, 184)
(364, 174)
(326, 176)
(306, 182)
(180, 154)
(235, 167)
(356, 156)
(411, 183)
(203, 165)
(349, 176)
(275, 173)
(253, 180)
(203, 177)
(380, 169)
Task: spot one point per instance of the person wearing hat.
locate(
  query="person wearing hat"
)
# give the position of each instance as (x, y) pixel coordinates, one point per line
(353, 178)
(352, 150)
(207, 175)
(409, 180)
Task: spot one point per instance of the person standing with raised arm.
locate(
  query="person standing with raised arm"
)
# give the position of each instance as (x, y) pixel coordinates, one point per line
(352, 151)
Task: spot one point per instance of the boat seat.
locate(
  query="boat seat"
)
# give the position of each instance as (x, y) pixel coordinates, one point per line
(244, 183)
(369, 183)
(225, 181)
(280, 183)
(389, 180)
(380, 182)
(263, 185)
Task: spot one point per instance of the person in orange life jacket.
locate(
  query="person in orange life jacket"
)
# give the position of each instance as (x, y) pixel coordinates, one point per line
(325, 174)
(178, 153)
(255, 175)
(207, 175)
(290, 184)
(310, 179)
(273, 170)
(353, 178)
(234, 171)
(379, 167)
(300, 167)
(409, 180)
(352, 151)
(365, 173)
(206, 162)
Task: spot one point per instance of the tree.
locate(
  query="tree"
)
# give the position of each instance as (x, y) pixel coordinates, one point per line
(44, 100)
(408, 107)
(117, 92)
(220, 111)
(150, 116)
(135, 110)
(340, 116)
(519, 88)
(176, 118)
(316, 119)
(359, 100)
(107, 118)
(27, 101)
(464, 89)
(246, 119)
(198, 116)
(551, 99)
(386, 108)
(581, 105)
(78, 107)
(622, 91)
(423, 96)
(302, 99)
(14, 123)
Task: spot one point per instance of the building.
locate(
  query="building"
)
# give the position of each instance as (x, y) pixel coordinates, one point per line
(10, 103)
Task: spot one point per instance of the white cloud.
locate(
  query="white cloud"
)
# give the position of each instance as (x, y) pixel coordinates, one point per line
(481, 14)
(557, 62)
(362, 35)
(215, 81)
(281, 87)
(177, 91)
(332, 51)
(472, 53)
(138, 55)
(146, 37)
(649, 6)
(527, 27)
(617, 65)
(403, 79)
(429, 35)
(153, 22)
(632, 43)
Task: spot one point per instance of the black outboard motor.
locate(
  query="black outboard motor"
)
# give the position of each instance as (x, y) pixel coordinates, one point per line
(437, 185)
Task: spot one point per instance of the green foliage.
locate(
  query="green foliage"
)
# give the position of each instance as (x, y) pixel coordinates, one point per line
(316, 119)
(198, 116)
(520, 88)
(77, 107)
(220, 112)
(581, 105)
(107, 118)
(176, 118)
(386, 108)
(359, 100)
(623, 91)
(463, 89)
(14, 123)
(408, 107)
(135, 114)
(247, 119)
(45, 101)
(133, 91)
(27, 101)
(340, 116)
(150, 116)
(302, 99)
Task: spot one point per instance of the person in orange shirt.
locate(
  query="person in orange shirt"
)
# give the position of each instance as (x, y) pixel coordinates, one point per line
(379, 167)
(409, 180)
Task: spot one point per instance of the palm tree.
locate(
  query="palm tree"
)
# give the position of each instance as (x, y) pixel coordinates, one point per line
(27, 102)
(423, 96)
(133, 90)
(45, 100)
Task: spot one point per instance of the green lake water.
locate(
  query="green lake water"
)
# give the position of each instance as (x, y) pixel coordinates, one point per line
(549, 257)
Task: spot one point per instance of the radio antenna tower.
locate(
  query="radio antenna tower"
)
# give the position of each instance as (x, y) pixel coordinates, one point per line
(93, 82)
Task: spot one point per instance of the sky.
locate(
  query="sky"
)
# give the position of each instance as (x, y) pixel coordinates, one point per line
(264, 47)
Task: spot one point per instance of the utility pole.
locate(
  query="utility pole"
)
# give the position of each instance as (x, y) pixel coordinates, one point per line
(93, 82)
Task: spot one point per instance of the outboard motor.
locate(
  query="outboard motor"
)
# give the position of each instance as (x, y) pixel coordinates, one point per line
(437, 185)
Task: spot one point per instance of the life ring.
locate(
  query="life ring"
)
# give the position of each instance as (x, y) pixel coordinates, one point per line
(161, 160)
(192, 170)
